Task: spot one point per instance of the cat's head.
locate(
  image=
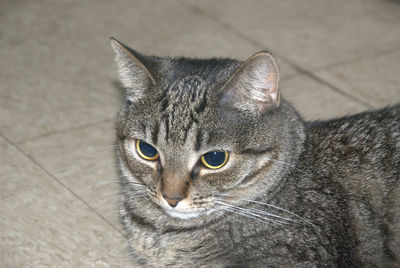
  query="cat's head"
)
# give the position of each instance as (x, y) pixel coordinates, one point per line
(195, 133)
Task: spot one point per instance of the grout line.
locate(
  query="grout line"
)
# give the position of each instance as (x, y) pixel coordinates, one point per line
(327, 84)
(202, 12)
(62, 131)
(333, 87)
(37, 164)
(349, 61)
(283, 58)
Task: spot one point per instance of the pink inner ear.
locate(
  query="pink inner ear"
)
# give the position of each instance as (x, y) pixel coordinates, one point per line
(254, 86)
(273, 90)
(260, 83)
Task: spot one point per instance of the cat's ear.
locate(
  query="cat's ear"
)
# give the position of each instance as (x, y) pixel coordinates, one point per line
(133, 72)
(253, 87)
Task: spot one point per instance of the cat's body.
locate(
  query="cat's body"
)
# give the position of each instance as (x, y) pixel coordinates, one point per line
(290, 194)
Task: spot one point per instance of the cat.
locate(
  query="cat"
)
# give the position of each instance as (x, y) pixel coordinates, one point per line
(218, 170)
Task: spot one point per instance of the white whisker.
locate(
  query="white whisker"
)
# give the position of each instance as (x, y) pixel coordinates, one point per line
(281, 209)
(242, 214)
(270, 214)
(135, 184)
(243, 210)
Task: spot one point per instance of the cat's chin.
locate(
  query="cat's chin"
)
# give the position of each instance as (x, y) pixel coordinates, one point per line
(182, 215)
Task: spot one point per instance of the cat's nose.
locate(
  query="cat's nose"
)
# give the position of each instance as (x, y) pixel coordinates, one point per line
(173, 202)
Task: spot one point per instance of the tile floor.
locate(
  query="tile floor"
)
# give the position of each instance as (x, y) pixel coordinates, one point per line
(59, 94)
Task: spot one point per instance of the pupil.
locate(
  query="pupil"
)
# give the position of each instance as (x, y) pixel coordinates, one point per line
(147, 149)
(215, 158)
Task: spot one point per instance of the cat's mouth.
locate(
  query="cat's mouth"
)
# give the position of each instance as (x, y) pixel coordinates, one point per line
(183, 210)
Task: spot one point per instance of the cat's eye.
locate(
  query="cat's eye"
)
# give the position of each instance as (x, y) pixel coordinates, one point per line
(214, 159)
(146, 151)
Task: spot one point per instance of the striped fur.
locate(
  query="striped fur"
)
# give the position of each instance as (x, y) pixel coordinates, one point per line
(292, 194)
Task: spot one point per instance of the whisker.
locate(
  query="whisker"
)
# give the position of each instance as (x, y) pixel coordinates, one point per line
(281, 209)
(251, 216)
(270, 214)
(245, 211)
(136, 184)
(273, 206)
(241, 213)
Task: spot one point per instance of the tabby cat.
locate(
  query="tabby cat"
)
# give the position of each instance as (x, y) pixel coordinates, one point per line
(217, 170)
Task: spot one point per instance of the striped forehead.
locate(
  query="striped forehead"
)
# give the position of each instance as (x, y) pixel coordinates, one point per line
(186, 91)
(181, 106)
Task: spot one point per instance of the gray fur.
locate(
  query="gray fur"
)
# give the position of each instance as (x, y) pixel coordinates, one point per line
(292, 194)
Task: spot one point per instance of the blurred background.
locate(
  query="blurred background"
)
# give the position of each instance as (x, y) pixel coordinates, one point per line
(59, 94)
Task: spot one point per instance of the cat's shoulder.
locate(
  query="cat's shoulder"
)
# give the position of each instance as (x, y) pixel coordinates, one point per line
(370, 131)
(385, 118)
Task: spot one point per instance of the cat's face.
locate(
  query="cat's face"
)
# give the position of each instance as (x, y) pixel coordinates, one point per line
(195, 133)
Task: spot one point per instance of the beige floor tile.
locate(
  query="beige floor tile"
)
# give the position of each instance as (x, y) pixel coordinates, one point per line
(315, 101)
(53, 78)
(57, 68)
(43, 225)
(375, 80)
(83, 159)
(313, 33)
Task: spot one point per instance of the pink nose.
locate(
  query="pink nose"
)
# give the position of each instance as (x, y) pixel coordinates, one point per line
(172, 201)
